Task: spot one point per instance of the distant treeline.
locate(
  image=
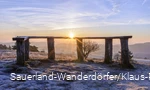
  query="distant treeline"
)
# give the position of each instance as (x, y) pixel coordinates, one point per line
(32, 48)
(2, 46)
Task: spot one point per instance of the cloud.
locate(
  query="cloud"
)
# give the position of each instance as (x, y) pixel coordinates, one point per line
(50, 18)
(142, 21)
(68, 14)
(115, 6)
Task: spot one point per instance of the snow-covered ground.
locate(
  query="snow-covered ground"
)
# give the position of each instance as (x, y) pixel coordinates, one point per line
(7, 66)
(143, 61)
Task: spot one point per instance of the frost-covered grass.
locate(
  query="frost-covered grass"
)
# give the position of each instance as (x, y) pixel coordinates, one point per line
(8, 66)
(11, 54)
(4, 54)
(59, 56)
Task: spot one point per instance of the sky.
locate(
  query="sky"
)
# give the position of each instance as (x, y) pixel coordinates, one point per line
(83, 17)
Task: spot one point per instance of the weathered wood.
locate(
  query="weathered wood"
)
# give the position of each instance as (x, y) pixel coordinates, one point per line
(115, 37)
(51, 48)
(26, 49)
(80, 50)
(20, 52)
(108, 51)
(21, 38)
(36, 37)
(125, 60)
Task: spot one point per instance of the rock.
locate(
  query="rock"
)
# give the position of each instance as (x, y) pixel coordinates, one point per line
(33, 63)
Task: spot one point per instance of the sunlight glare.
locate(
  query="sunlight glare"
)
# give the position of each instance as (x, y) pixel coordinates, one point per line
(71, 35)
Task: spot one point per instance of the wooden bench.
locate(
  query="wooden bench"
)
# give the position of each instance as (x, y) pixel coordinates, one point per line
(23, 47)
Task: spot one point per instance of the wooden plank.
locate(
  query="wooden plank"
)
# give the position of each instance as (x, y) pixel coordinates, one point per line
(15, 38)
(114, 37)
(51, 48)
(108, 51)
(20, 38)
(125, 60)
(39, 37)
(20, 52)
(80, 50)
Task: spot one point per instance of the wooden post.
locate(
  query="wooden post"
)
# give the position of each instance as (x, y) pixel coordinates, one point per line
(79, 50)
(51, 48)
(20, 52)
(26, 49)
(125, 60)
(108, 51)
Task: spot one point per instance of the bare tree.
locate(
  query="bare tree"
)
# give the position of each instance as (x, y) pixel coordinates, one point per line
(89, 47)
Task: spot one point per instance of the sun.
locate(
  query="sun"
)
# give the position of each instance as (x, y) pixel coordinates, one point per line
(71, 35)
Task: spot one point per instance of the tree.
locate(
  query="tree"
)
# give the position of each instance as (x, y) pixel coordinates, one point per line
(3, 46)
(32, 48)
(9, 47)
(14, 47)
(131, 57)
(89, 47)
(117, 57)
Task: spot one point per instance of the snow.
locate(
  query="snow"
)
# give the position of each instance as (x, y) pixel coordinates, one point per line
(7, 65)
